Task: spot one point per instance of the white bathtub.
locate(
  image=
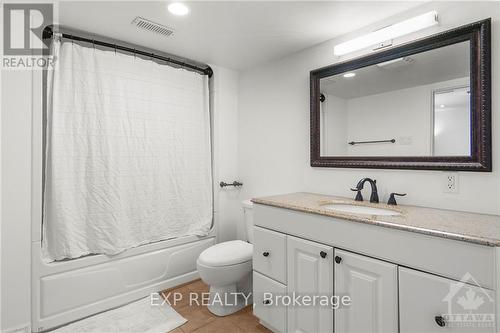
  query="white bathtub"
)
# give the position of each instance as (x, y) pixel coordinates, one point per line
(66, 291)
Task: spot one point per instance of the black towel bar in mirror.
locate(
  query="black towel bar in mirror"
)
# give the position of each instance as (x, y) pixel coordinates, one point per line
(234, 183)
(352, 143)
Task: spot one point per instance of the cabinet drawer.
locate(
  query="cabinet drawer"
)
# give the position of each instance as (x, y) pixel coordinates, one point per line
(463, 307)
(269, 253)
(272, 316)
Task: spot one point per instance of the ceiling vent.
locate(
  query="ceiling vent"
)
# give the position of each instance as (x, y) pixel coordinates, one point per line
(142, 23)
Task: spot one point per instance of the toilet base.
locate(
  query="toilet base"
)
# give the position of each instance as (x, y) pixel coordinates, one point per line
(226, 300)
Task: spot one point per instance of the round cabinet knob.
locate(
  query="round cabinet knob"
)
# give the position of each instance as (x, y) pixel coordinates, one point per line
(265, 254)
(440, 321)
(323, 254)
(338, 259)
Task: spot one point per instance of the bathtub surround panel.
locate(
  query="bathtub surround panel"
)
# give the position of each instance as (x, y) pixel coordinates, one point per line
(275, 99)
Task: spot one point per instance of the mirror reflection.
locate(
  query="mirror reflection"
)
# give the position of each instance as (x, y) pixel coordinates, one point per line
(417, 105)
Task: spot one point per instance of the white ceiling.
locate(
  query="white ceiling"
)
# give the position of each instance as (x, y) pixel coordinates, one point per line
(438, 65)
(232, 34)
(452, 100)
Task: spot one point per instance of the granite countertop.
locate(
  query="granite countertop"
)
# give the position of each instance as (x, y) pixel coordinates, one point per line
(469, 227)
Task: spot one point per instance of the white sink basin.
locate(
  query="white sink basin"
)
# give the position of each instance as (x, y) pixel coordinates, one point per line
(364, 210)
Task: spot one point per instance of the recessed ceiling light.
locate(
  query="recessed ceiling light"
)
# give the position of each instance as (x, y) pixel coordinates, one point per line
(442, 105)
(351, 74)
(178, 8)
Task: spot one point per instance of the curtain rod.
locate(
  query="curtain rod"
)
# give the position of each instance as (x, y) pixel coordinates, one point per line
(48, 32)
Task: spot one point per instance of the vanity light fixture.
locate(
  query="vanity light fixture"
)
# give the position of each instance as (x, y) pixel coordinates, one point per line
(389, 62)
(350, 74)
(393, 31)
(396, 62)
(178, 9)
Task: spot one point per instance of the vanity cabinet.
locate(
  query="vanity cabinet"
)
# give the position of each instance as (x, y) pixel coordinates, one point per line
(409, 282)
(434, 304)
(373, 288)
(310, 272)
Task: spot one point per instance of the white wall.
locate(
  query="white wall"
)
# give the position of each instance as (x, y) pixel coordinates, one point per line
(16, 199)
(334, 126)
(225, 115)
(274, 127)
(451, 121)
(404, 115)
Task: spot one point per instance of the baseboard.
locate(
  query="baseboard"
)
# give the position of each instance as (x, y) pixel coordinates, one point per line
(24, 328)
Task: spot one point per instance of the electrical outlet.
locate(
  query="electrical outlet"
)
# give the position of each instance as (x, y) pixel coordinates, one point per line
(450, 183)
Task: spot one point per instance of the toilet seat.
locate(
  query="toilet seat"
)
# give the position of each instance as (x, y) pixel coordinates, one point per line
(226, 253)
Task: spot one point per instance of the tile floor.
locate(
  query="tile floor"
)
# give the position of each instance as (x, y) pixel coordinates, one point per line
(200, 320)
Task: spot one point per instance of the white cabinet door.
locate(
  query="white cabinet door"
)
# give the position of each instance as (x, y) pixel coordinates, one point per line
(434, 304)
(373, 288)
(310, 272)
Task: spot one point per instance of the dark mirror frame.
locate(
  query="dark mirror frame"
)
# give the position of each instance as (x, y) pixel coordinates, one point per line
(479, 36)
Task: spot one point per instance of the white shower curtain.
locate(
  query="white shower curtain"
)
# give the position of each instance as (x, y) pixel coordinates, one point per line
(128, 157)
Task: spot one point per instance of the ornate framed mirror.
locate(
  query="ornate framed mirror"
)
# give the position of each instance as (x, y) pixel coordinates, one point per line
(421, 105)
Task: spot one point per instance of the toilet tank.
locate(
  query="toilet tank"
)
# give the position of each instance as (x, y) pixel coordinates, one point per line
(248, 216)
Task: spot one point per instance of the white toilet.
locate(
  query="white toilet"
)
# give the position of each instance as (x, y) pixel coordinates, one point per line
(227, 268)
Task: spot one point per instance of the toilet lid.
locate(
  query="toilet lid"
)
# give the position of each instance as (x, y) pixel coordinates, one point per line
(227, 253)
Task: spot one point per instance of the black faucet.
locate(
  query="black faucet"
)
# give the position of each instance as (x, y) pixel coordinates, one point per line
(359, 187)
(392, 199)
